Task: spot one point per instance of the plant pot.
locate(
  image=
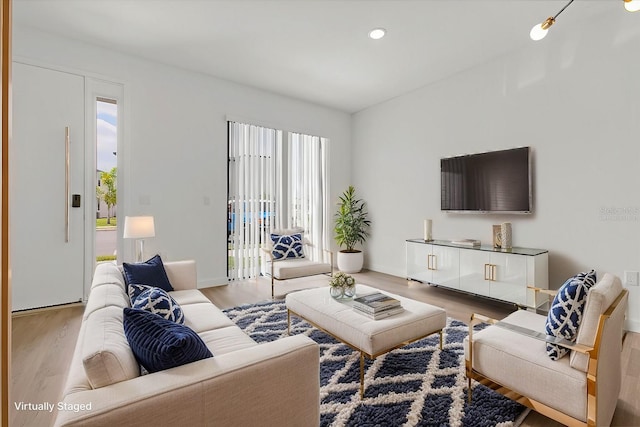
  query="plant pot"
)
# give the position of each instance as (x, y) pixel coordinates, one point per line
(350, 262)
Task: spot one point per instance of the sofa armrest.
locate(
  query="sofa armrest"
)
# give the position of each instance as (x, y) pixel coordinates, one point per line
(182, 274)
(279, 385)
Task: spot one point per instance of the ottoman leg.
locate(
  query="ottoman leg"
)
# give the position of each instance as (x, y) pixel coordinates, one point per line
(288, 322)
(440, 339)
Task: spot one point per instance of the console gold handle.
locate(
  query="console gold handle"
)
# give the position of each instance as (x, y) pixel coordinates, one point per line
(493, 272)
(66, 182)
(435, 262)
(429, 262)
(487, 272)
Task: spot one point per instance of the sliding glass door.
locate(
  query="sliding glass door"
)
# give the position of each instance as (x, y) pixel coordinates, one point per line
(276, 180)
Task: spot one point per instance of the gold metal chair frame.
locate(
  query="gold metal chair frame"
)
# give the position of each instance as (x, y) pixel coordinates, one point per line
(592, 370)
(267, 251)
(354, 347)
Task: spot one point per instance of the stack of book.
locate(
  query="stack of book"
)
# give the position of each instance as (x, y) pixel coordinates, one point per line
(466, 242)
(377, 306)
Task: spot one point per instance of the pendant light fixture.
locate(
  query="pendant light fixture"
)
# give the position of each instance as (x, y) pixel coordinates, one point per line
(538, 32)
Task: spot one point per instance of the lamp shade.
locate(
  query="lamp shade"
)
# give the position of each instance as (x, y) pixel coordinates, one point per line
(138, 227)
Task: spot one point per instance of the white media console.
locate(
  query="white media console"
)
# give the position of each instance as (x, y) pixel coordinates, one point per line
(501, 274)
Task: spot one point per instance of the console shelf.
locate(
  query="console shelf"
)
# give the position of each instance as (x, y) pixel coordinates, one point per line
(502, 274)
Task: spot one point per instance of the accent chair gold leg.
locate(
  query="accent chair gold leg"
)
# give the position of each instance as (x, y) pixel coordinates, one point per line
(441, 339)
(361, 375)
(469, 390)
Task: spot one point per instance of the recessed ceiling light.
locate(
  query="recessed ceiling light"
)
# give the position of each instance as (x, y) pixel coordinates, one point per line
(377, 33)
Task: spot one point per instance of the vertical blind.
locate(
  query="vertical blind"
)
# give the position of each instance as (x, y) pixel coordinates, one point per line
(273, 185)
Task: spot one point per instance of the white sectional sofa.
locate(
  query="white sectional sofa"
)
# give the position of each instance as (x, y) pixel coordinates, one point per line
(244, 384)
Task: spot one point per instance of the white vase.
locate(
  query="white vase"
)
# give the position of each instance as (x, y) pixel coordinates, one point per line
(350, 262)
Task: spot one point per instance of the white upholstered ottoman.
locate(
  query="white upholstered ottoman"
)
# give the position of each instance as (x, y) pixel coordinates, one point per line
(370, 337)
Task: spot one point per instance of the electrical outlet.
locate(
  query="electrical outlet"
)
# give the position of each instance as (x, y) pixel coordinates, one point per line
(631, 278)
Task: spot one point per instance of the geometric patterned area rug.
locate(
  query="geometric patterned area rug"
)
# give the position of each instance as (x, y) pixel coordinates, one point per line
(417, 385)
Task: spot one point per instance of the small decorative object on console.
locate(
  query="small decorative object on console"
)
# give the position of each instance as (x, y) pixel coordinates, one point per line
(427, 230)
(505, 233)
(466, 242)
(497, 236)
(342, 286)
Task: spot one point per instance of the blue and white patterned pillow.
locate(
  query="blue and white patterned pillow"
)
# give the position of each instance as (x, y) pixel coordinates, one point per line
(136, 289)
(157, 301)
(287, 246)
(566, 311)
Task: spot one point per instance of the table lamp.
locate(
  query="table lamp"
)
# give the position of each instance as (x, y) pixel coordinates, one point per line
(139, 228)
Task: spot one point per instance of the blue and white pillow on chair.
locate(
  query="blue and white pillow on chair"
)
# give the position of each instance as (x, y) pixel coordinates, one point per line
(158, 301)
(287, 246)
(566, 311)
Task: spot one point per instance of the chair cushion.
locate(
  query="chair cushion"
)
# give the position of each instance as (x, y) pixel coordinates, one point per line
(520, 363)
(157, 301)
(298, 267)
(160, 344)
(150, 273)
(287, 246)
(566, 311)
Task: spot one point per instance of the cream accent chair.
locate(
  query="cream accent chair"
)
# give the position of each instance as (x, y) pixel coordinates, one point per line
(580, 389)
(292, 268)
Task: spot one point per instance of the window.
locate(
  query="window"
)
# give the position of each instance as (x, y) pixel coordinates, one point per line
(276, 179)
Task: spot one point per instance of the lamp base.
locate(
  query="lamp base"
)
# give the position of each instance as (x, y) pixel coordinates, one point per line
(139, 250)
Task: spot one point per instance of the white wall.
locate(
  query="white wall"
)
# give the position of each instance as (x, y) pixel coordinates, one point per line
(574, 99)
(176, 143)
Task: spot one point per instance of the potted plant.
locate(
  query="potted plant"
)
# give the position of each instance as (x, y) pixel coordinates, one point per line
(351, 228)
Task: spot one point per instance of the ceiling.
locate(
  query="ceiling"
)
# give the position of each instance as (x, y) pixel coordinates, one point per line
(313, 50)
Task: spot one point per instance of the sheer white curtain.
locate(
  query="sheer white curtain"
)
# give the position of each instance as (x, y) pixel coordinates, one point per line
(252, 189)
(308, 190)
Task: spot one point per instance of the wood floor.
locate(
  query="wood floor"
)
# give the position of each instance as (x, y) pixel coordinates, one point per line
(43, 341)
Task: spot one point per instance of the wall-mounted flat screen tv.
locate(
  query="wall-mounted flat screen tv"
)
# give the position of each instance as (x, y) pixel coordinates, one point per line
(496, 181)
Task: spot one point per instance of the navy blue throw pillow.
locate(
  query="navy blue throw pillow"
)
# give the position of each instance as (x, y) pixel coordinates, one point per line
(160, 344)
(566, 311)
(150, 273)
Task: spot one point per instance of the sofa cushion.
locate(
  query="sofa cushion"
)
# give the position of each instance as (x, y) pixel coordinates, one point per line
(566, 311)
(150, 273)
(157, 301)
(106, 355)
(160, 344)
(287, 246)
(205, 317)
(226, 340)
(109, 294)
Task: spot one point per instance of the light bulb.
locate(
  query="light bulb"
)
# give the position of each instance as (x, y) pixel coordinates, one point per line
(538, 33)
(377, 33)
(632, 5)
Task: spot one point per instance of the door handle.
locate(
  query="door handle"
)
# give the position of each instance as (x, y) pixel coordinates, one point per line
(67, 150)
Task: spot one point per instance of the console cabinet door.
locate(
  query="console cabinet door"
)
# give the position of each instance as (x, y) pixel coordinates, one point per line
(417, 262)
(445, 266)
(509, 281)
(473, 277)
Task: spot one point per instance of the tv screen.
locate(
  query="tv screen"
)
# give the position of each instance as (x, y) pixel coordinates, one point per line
(496, 181)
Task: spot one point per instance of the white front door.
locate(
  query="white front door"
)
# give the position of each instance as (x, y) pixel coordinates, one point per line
(46, 231)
